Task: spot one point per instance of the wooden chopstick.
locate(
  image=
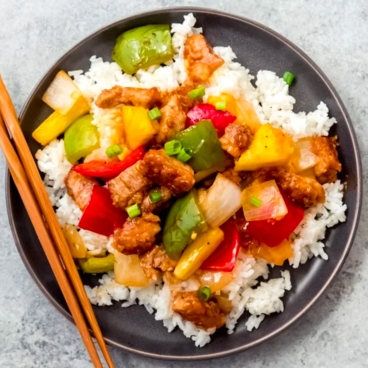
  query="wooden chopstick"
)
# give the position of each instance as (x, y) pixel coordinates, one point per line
(11, 121)
(20, 180)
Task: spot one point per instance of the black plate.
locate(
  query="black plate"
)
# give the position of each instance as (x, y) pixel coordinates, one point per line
(257, 47)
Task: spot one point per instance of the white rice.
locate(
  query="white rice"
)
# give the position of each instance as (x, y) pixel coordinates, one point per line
(272, 102)
(308, 235)
(95, 243)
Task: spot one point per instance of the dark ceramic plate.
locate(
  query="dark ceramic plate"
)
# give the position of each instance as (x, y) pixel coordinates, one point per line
(257, 47)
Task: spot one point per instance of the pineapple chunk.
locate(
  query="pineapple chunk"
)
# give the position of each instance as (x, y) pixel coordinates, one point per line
(270, 147)
(69, 104)
(57, 123)
(128, 271)
(139, 129)
(62, 94)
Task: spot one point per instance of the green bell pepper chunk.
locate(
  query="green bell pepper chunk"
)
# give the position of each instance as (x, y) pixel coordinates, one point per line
(203, 141)
(182, 225)
(97, 264)
(80, 139)
(142, 47)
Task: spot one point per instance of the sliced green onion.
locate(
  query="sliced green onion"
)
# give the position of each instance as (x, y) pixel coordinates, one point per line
(154, 114)
(256, 202)
(220, 105)
(204, 293)
(172, 147)
(288, 77)
(197, 93)
(184, 155)
(113, 150)
(155, 196)
(133, 211)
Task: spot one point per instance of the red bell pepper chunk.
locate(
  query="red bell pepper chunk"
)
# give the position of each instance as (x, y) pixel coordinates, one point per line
(224, 257)
(101, 216)
(220, 119)
(273, 232)
(109, 170)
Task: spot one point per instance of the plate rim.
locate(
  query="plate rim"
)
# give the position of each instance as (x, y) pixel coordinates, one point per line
(355, 149)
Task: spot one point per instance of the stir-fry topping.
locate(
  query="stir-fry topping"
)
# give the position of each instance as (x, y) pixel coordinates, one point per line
(204, 293)
(288, 77)
(186, 181)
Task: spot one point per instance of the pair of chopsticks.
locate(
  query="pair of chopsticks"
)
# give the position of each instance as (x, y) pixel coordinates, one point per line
(34, 196)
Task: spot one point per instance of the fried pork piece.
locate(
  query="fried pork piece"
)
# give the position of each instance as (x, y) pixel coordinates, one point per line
(167, 171)
(156, 261)
(200, 59)
(261, 175)
(236, 177)
(183, 93)
(236, 139)
(79, 188)
(148, 206)
(172, 121)
(129, 187)
(304, 191)
(137, 235)
(325, 148)
(203, 314)
(117, 95)
(175, 106)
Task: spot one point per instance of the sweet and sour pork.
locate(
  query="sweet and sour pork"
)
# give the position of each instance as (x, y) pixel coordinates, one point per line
(117, 95)
(328, 165)
(130, 187)
(167, 171)
(200, 59)
(79, 188)
(205, 315)
(156, 261)
(137, 235)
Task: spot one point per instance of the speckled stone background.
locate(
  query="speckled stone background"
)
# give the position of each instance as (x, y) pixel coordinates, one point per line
(334, 333)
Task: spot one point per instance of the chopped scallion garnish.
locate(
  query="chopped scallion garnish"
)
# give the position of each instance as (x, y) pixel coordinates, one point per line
(204, 293)
(133, 211)
(113, 150)
(155, 196)
(154, 114)
(220, 105)
(256, 202)
(288, 77)
(197, 93)
(184, 155)
(172, 147)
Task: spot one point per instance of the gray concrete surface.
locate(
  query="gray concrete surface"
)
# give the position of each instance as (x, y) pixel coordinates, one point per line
(35, 33)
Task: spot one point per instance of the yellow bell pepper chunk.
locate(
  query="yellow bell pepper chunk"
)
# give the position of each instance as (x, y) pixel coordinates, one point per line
(128, 271)
(139, 129)
(57, 123)
(197, 252)
(276, 255)
(228, 99)
(270, 147)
